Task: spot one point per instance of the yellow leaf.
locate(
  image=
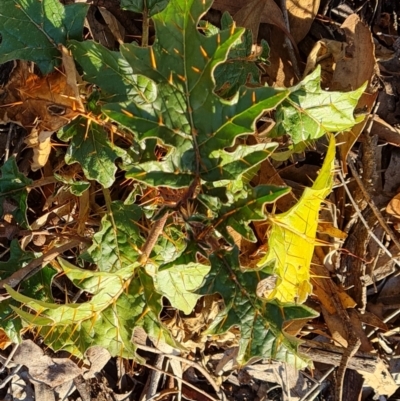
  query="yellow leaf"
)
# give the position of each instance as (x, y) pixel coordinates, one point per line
(292, 238)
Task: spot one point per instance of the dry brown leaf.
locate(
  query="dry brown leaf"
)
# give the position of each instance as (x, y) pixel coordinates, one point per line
(326, 53)
(393, 206)
(249, 16)
(4, 340)
(326, 227)
(359, 64)
(386, 132)
(51, 371)
(47, 103)
(301, 16)
(40, 142)
(42, 105)
(381, 380)
(113, 24)
(280, 71)
(270, 14)
(352, 71)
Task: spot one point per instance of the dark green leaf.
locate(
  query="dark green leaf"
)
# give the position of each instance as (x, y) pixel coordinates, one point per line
(91, 148)
(13, 191)
(139, 6)
(261, 323)
(32, 30)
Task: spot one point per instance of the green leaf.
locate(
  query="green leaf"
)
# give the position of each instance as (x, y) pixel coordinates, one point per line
(38, 287)
(309, 112)
(245, 210)
(179, 282)
(192, 122)
(121, 302)
(240, 67)
(32, 30)
(139, 6)
(112, 73)
(91, 148)
(13, 190)
(118, 242)
(261, 323)
(76, 188)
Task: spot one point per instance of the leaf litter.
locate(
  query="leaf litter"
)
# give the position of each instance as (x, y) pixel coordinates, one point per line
(101, 184)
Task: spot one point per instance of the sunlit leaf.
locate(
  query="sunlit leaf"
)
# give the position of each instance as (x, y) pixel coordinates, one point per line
(292, 238)
(309, 111)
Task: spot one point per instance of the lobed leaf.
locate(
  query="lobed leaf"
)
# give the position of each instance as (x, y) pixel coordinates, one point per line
(261, 323)
(121, 302)
(32, 30)
(90, 147)
(117, 244)
(309, 111)
(187, 116)
(38, 287)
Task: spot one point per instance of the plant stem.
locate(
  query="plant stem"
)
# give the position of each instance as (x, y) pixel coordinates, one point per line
(145, 28)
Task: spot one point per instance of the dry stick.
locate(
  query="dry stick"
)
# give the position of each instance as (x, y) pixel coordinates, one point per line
(313, 391)
(181, 380)
(371, 203)
(155, 377)
(155, 232)
(361, 217)
(288, 43)
(187, 362)
(7, 151)
(36, 265)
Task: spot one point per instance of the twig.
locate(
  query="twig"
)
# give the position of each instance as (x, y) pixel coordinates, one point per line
(7, 150)
(357, 210)
(181, 380)
(187, 362)
(155, 377)
(371, 203)
(312, 393)
(155, 232)
(7, 361)
(288, 43)
(36, 265)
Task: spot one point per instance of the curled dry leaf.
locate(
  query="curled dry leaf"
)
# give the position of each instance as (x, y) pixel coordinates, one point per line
(357, 67)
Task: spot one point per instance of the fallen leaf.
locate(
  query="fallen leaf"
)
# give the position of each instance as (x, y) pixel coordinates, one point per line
(270, 14)
(393, 206)
(352, 71)
(301, 16)
(51, 371)
(326, 53)
(113, 24)
(4, 340)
